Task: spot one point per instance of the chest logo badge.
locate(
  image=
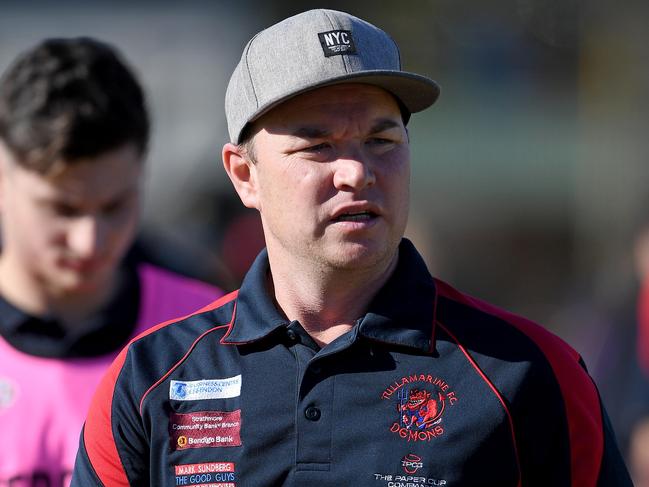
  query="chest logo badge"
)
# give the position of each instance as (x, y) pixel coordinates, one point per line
(420, 401)
(411, 463)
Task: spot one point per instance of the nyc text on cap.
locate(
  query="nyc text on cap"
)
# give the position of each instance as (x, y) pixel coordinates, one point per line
(314, 49)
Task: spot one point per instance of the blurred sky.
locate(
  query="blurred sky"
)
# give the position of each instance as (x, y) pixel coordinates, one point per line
(529, 174)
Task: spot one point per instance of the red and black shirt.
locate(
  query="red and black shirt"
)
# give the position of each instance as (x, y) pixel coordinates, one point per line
(429, 388)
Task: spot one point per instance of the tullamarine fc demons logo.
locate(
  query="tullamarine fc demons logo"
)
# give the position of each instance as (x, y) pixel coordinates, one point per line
(421, 400)
(420, 411)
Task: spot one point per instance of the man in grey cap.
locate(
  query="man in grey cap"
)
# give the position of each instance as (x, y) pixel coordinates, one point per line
(340, 360)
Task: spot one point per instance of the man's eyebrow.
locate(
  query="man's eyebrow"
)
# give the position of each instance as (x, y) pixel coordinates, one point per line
(311, 132)
(383, 124)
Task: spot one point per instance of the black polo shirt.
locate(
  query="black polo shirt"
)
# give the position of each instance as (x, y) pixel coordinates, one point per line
(430, 387)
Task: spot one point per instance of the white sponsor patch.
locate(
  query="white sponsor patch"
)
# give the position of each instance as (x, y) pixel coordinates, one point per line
(195, 390)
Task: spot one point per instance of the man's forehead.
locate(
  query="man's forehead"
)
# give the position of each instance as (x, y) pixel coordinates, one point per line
(108, 177)
(72, 184)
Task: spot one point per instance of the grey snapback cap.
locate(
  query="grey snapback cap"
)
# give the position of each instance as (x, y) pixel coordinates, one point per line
(314, 49)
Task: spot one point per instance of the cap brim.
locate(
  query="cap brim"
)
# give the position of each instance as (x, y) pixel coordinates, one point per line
(416, 92)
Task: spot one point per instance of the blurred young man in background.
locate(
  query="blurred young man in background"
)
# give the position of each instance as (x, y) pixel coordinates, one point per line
(74, 130)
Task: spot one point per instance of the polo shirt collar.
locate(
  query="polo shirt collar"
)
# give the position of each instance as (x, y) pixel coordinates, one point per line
(12, 318)
(256, 315)
(401, 313)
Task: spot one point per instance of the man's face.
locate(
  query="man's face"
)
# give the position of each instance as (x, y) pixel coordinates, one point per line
(332, 177)
(68, 232)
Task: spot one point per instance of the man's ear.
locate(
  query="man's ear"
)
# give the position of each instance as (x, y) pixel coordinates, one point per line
(242, 173)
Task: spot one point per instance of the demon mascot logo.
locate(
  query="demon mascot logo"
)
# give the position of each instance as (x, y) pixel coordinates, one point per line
(419, 410)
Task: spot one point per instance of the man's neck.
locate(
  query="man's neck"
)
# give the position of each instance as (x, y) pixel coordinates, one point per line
(27, 294)
(326, 302)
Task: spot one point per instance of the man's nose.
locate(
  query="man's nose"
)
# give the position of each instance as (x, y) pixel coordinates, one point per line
(353, 172)
(86, 236)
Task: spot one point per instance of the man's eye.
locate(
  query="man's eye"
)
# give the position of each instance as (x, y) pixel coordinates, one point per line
(113, 208)
(379, 141)
(317, 147)
(63, 209)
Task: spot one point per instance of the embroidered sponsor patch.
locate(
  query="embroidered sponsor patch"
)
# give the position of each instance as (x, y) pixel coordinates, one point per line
(212, 474)
(205, 429)
(337, 42)
(411, 463)
(196, 390)
(421, 400)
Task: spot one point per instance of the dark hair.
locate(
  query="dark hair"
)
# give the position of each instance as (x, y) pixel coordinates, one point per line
(70, 99)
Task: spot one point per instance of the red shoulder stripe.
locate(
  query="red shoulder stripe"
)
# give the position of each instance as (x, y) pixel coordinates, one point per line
(583, 410)
(98, 432)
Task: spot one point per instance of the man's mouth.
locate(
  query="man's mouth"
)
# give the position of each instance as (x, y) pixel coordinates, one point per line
(82, 265)
(355, 217)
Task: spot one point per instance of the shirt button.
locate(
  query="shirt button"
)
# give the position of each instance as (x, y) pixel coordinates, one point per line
(291, 335)
(312, 413)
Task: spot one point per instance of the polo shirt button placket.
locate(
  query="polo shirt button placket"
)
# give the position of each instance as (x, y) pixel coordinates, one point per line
(292, 335)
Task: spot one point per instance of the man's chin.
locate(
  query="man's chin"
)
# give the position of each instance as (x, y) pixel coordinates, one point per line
(74, 283)
(359, 256)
